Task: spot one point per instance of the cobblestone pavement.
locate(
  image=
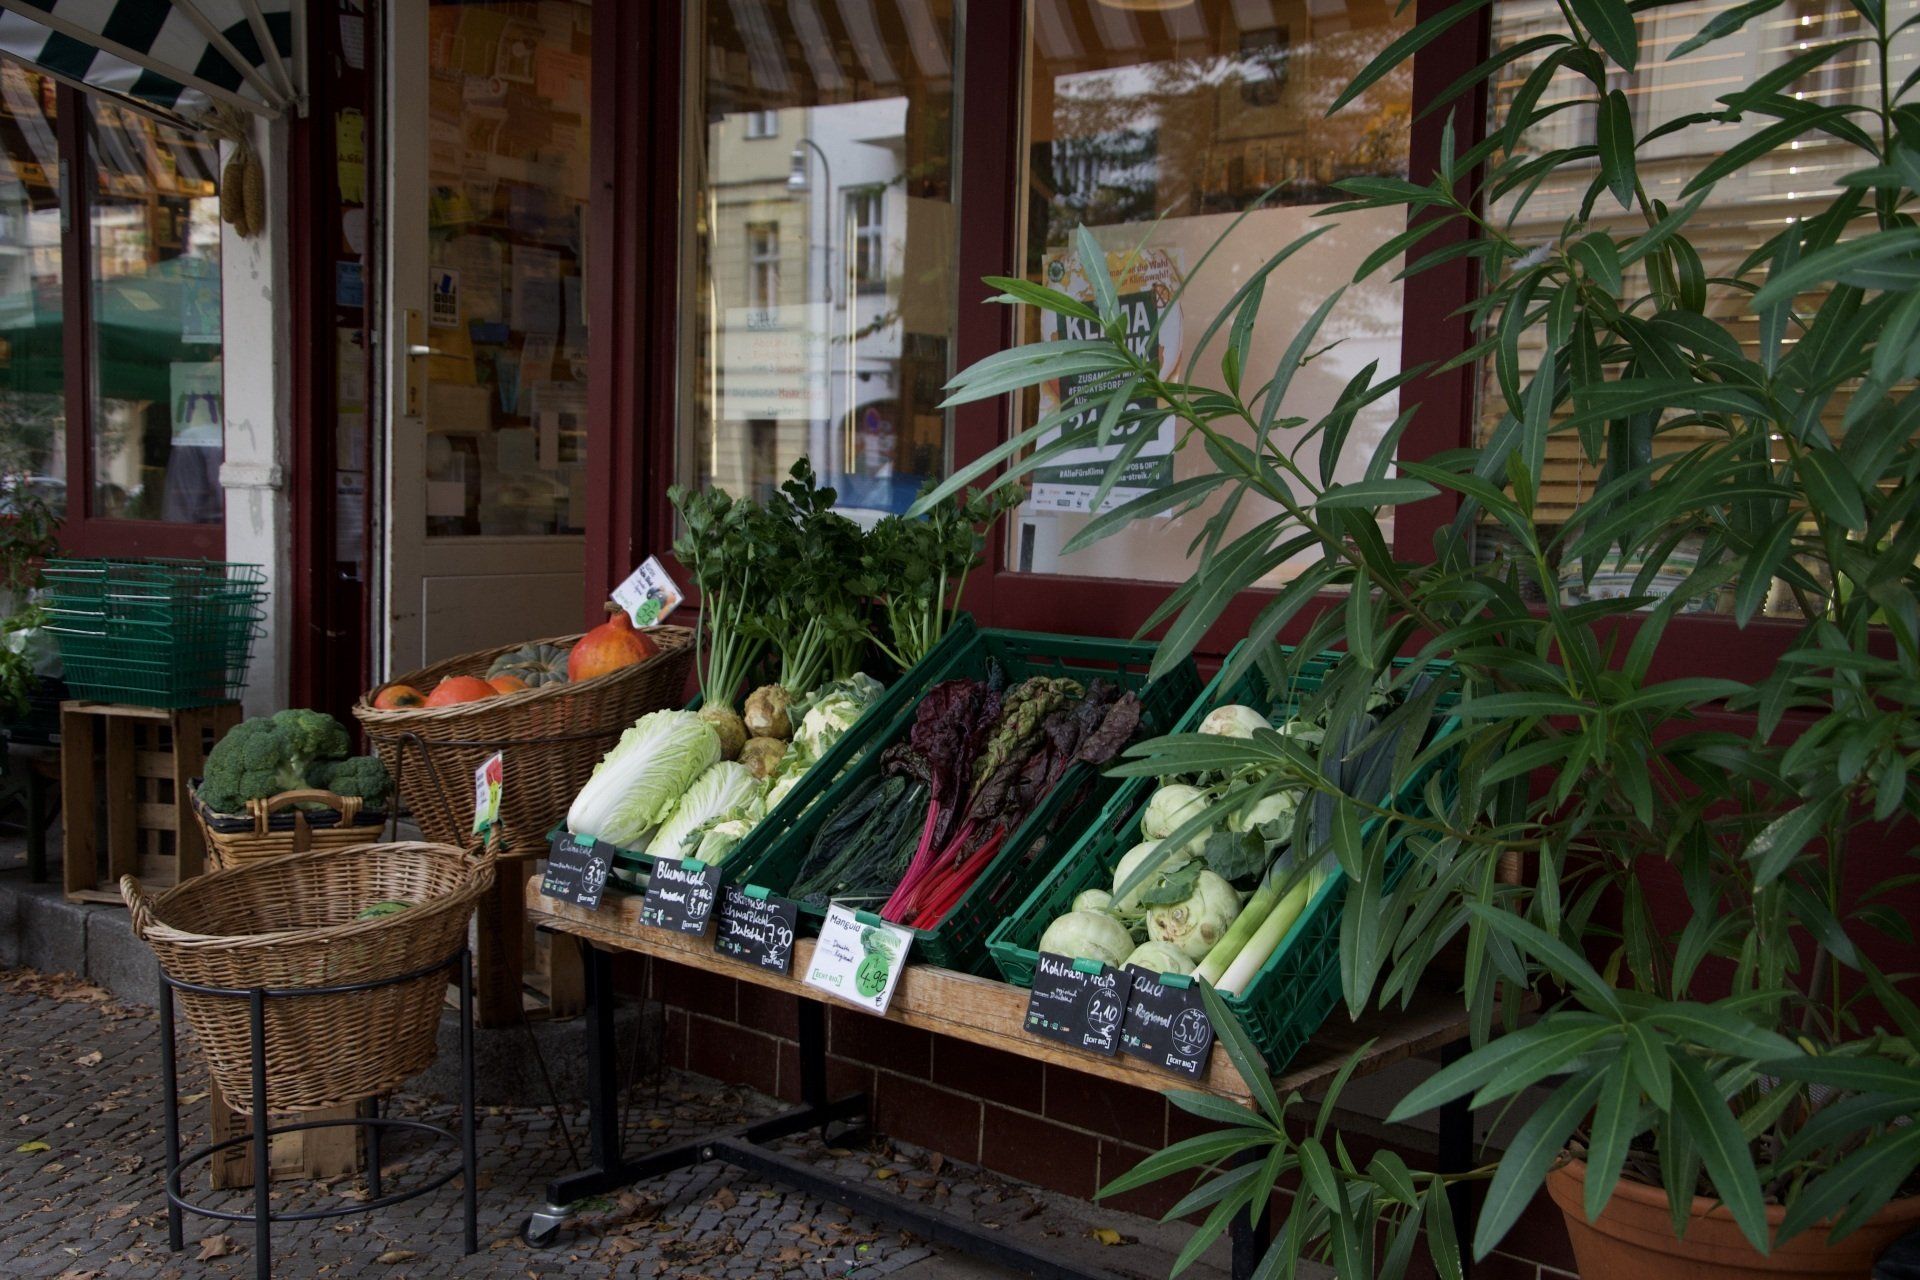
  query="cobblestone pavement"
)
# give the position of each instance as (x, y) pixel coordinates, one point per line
(81, 1166)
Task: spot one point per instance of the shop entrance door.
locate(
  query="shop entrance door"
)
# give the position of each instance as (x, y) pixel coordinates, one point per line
(483, 497)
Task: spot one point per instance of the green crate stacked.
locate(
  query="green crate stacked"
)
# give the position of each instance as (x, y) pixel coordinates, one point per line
(959, 941)
(1299, 985)
(155, 633)
(631, 866)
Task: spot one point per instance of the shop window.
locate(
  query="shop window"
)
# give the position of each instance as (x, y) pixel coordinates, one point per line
(33, 442)
(1741, 211)
(839, 351)
(120, 287)
(1157, 129)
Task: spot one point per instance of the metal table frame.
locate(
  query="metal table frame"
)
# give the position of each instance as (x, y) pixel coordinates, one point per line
(460, 963)
(744, 1146)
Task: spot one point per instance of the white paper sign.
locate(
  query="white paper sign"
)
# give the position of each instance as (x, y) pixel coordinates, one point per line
(649, 594)
(443, 297)
(857, 960)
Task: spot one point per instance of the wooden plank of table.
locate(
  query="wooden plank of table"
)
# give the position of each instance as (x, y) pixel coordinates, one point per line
(989, 1012)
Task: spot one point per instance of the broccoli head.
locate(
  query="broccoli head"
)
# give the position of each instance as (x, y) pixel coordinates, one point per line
(270, 754)
(362, 776)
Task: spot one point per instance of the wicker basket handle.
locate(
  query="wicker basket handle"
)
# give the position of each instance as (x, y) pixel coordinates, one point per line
(263, 810)
(139, 906)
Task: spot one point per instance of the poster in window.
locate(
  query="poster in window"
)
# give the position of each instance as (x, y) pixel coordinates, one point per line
(199, 302)
(1146, 282)
(195, 403)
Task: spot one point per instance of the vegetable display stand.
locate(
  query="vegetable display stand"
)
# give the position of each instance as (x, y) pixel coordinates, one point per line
(980, 1011)
(959, 940)
(1298, 985)
(875, 725)
(551, 735)
(140, 783)
(291, 822)
(303, 1003)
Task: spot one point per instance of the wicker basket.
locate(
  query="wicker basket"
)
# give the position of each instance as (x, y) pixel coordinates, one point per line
(287, 923)
(432, 752)
(276, 825)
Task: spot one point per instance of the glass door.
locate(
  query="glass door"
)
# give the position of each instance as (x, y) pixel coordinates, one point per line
(485, 313)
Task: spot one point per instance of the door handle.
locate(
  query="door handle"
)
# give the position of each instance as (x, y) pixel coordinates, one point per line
(422, 349)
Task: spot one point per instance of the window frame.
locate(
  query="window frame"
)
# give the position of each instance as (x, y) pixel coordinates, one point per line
(866, 240)
(761, 126)
(992, 67)
(767, 262)
(81, 531)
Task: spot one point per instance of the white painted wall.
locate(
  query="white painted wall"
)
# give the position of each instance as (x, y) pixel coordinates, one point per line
(256, 307)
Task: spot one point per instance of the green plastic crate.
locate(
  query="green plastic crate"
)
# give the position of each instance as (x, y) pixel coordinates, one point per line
(959, 941)
(1299, 986)
(899, 699)
(156, 633)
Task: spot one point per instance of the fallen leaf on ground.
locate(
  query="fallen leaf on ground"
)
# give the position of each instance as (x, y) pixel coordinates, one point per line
(883, 1174)
(88, 1059)
(723, 1199)
(1107, 1235)
(32, 1148)
(392, 1256)
(219, 1246)
(120, 1211)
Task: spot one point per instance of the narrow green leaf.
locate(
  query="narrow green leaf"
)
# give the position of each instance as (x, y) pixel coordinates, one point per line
(1015, 289)
(1781, 840)
(1388, 492)
(1531, 1153)
(1616, 139)
(1610, 23)
(1699, 1106)
(1832, 489)
(1405, 47)
(1616, 1120)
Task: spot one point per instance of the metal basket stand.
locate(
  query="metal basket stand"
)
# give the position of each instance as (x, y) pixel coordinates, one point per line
(461, 965)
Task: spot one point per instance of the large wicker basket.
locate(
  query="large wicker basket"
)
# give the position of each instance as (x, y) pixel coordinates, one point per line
(288, 923)
(280, 825)
(552, 737)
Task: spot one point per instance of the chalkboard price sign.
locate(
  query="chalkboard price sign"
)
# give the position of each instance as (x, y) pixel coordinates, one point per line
(1166, 1025)
(757, 927)
(576, 869)
(1077, 1002)
(680, 896)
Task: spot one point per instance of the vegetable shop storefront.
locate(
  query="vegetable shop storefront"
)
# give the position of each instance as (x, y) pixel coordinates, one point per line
(543, 282)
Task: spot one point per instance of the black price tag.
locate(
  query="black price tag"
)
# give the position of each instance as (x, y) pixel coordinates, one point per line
(757, 927)
(1167, 1025)
(680, 895)
(1077, 1002)
(576, 869)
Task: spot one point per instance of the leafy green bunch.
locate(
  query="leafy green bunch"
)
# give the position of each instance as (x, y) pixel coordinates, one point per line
(1741, 1041)
(915, 568)
(724, 546)
(814, 611)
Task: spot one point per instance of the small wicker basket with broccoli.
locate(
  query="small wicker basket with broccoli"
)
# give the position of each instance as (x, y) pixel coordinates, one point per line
(287, 782)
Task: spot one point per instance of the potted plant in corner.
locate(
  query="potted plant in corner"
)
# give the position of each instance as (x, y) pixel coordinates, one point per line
(1721, 1070)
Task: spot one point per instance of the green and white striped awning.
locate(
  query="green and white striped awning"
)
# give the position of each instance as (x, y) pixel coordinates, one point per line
(174, 58)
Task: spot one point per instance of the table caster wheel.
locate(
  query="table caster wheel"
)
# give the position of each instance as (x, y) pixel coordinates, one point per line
(541, 1227)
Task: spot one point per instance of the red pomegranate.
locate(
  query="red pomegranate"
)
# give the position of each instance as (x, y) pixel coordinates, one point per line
(457, 689)
(610, 646)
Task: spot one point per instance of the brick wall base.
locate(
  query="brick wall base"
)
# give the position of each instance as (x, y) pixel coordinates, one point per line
(1064, 1130)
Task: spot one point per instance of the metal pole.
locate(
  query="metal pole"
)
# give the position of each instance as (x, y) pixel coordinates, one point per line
(603, 1074)
(1455, 1149)
(372, 1109)
(170, 1091)
(262, 1171)
(469, 1158)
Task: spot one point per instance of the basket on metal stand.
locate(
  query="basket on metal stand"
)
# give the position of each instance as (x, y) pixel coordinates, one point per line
(303, 1002)
(291, 822)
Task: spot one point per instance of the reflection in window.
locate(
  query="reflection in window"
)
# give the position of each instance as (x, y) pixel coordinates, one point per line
(1742, 210)
(32, 370)
(867, 229)
(820, 297)
(1156, 129)
(763, 265)
(158, 418)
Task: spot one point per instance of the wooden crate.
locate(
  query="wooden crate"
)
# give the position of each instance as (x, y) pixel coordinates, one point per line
(138, 784)
(310, 1155)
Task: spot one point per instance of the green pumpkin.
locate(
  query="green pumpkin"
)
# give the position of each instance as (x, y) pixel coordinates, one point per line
(535, 664)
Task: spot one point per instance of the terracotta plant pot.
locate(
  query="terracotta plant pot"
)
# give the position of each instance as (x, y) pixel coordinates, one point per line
(1634, 1240)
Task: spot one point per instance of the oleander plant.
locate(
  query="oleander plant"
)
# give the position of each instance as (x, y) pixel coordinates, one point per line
(1687, 990)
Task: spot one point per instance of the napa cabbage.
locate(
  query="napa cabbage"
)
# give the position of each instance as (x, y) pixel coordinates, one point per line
(725, 791)
(638, 783)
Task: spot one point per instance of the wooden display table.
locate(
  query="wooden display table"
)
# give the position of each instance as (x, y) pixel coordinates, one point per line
(979, 1010)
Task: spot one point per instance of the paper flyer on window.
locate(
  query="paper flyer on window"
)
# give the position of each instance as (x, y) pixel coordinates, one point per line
(1145, 282)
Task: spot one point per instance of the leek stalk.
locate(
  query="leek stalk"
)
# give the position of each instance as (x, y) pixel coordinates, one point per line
(1267, 938)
